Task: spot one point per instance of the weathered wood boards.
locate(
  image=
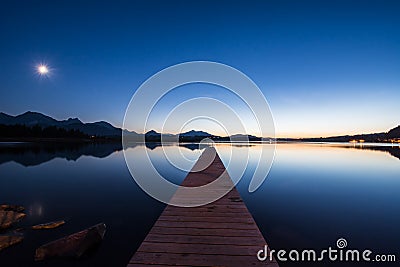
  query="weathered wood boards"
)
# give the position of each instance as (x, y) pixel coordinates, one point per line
(222, 233)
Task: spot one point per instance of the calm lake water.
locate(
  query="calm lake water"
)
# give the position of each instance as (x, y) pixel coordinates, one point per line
(313, 195)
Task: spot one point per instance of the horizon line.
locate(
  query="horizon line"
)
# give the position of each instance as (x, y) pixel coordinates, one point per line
(277, 135)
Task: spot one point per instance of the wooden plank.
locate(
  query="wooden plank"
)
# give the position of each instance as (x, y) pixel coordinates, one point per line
(206, 240)
(204, 231)
(222, 233)
(153, 265)
(201, 225)
(211, 219)
(150, 258)
(213, 208)
(210, 249)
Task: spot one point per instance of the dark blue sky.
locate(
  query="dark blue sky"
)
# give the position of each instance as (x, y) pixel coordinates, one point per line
(326, 67)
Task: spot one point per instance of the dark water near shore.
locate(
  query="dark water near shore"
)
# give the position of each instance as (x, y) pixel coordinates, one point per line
(314, 195)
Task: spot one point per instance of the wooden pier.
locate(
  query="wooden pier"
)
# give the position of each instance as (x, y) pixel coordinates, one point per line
(222, 233)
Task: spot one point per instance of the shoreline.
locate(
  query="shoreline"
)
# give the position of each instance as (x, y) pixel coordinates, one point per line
(40, 140)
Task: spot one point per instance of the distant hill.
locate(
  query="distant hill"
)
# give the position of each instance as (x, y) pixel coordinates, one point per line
(244, 137)
(30, 119)
(190, 136)
(152, 133)
(38, 123)
(194, 133)
(392, 135)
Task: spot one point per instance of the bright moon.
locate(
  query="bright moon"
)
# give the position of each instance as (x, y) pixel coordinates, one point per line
(42, 70)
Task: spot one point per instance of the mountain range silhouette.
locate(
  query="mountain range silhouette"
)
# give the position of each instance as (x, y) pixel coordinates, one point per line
(105, 129)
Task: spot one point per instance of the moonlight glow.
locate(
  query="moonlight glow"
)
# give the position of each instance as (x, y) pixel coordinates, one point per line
(42, 69)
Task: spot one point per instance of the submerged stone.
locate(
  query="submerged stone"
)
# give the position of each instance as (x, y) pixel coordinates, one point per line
(16, 208)
(50, 225)
(9, 240)
(72, 246)
(8, 218)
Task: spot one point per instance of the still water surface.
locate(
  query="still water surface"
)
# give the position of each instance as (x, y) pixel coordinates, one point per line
(313, 195)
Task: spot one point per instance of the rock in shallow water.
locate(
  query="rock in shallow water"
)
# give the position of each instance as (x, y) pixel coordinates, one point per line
(49, 225)
(72, 246)
(9, 240)
(6, 207)
(8, 218)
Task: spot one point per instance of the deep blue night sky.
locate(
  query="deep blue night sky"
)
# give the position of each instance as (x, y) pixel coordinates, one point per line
(326, 67)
